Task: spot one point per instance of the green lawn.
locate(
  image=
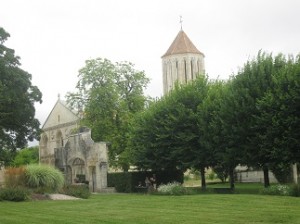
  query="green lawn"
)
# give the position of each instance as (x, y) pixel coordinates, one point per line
(139, 208)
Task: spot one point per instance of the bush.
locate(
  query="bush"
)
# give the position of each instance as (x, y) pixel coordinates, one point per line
(174, 188)
(127, 181)
(78, 191)
(295, 190)
(43, 178)
(14, 176)
(14, 194)
(282, 190)
(122, 182)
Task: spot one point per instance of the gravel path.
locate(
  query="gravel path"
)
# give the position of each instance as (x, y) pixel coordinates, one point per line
(61, 197)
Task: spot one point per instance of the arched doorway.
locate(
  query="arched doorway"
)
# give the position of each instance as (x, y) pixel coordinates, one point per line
(78, 169)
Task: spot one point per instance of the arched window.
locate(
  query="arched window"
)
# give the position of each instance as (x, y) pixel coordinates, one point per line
(59, 139)
(79, 168)
(192, 70)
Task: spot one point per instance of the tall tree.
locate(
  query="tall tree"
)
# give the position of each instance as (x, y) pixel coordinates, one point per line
(279, 115)
(166, 136)
(108, 96)
(210, 137)
(17, 97)
(250, 85)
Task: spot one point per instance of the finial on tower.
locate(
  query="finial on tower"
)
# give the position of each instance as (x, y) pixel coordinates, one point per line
(180, 21)
(58, 96)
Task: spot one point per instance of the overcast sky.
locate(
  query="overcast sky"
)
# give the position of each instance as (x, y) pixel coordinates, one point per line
(55, 37)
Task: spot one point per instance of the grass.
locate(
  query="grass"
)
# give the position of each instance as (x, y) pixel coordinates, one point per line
(240, 188)
(139, 208)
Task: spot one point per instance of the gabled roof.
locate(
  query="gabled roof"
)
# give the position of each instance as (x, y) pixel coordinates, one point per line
(61, 108)
(182, 45)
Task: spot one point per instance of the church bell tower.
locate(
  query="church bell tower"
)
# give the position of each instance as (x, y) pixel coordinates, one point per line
(182, 62)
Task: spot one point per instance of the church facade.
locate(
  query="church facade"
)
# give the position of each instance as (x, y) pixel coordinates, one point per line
(70, 148)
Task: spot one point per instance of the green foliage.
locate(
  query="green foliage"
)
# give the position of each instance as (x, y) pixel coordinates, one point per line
(6, 156)
(122, 182)
(127, 181)
(282, 190)
(17, 99)
(211, 175)
(166, 135)
(222, 172)
(279, 112)
(78, 191)
(110, 94)
(14, 194)
(43, 178)
(26, 156)
(282, 172)
(295, 190)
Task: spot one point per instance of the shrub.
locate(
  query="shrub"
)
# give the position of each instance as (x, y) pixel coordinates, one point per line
(43, 178)
(283, 190)
(174, 188)
(78, 191)
(14, 176)
(211, 175)
(14, 194)
(295, 190)
(127, 181)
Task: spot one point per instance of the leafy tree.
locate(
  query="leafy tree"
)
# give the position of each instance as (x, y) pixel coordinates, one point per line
(166, 136)
(108, 96)
(279, 115)
(241, 121)
(227, 131)
(17, 98)
(250, 85)
(26, 156)
(210, 139)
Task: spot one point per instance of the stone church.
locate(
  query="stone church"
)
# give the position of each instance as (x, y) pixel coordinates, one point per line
(70, 148)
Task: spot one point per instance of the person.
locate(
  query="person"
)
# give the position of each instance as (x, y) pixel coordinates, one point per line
(153, 181)
(147, 182)
(140, 184)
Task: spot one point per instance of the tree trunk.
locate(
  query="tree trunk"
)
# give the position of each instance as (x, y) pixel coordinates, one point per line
(203, 182)
(295, 173)
(266, 176)
(231, 178)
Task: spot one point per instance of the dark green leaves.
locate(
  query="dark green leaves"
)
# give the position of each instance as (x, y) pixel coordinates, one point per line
(17, 98)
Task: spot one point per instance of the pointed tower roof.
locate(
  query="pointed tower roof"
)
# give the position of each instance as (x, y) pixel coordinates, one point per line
(181, 45)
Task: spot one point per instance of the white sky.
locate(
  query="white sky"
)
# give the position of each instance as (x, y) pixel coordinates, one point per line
(55, 37)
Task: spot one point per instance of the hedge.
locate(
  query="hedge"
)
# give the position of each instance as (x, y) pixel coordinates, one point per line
(127, 181)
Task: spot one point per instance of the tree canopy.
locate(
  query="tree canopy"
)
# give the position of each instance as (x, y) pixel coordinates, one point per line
(17, 97)
(26, 156)
(251, 119)
(108, 95)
